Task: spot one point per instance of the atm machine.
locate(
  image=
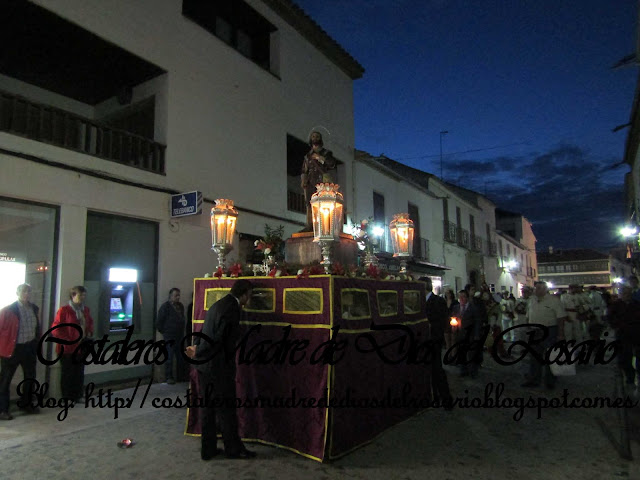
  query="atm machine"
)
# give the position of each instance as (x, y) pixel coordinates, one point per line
(123, 297)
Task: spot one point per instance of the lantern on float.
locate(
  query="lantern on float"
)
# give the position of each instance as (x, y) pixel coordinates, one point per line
(401, 231)
(327, 204)
(223, 227)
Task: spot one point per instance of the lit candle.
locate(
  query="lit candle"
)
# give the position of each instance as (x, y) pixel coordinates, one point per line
(454, 322)
(326, 217)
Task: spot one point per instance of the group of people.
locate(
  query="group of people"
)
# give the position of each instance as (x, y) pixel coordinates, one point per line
(483, 320)
(19, 335)
(20, 332)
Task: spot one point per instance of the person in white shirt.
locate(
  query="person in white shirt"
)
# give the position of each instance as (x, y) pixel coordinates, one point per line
(547, 310)
(507, 307)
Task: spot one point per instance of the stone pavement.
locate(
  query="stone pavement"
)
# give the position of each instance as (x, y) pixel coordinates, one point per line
(477, 443)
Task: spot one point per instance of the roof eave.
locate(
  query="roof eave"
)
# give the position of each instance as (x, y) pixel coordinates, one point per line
(309, 29)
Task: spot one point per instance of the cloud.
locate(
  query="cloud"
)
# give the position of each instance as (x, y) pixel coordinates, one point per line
(563, 192)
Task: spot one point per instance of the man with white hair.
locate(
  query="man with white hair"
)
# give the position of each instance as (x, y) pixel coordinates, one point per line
(546, 310)
(19, 333)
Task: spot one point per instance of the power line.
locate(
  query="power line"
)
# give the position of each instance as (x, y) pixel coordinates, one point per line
(465, 151)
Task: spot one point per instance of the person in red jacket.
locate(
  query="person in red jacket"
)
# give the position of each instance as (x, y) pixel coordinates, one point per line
(75, 312)
(19, 334)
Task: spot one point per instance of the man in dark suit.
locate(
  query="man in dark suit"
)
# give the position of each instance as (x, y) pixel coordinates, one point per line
(438, 316)
(470, 341)
(217, 375)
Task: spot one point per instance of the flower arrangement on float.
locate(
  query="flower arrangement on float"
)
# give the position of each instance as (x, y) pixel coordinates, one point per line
(305, 271)
(272, 243)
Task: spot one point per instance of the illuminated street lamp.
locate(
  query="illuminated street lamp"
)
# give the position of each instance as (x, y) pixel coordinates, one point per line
(326, 207)
(401, 231)
(628, 231)
(223, 226)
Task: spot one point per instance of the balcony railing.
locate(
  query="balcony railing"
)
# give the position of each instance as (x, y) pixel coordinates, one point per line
(463, 237)
(421, 249)
(295, 202)
(476, 243)
(450, 231)
(43, 123)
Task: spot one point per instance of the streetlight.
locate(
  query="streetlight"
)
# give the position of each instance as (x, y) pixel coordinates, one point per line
(628, 231)
(444, 132)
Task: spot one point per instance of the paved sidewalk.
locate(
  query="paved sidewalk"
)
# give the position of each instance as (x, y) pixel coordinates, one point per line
(466, 443)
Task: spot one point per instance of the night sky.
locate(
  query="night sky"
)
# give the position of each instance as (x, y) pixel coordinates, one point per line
(526, 90)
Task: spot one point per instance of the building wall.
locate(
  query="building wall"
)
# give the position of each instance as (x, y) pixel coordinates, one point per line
(224, 120)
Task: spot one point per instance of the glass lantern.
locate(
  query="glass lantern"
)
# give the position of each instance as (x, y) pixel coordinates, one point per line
(401, 230)
(327, 204)
(223, 227)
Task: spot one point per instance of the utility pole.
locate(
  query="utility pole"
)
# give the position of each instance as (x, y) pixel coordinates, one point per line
(444, 132)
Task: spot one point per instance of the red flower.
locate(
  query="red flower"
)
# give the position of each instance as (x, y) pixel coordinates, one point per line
(235, 270)
(373, 271)
(304, 273)
(273, 272)
(337, 269)
(316, 270)
(218, 273)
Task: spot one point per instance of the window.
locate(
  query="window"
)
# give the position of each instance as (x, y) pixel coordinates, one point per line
(237, 24)
(472, 225)
(378, 208)
(411, 301)
(414, 215)
(262, 300)
(387, 303)
(302, 301)
(445, 209)
(296, 150)
(354, 304)
(27, 253)
(212, 295)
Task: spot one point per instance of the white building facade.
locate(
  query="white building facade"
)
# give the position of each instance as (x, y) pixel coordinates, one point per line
(123, 104)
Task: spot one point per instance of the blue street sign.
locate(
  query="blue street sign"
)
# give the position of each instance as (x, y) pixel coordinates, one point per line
(184, 204)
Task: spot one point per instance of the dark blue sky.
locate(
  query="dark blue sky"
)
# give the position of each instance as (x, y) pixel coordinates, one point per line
(525, 89)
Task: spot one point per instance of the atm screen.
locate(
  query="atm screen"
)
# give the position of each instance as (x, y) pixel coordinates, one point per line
(116, 304)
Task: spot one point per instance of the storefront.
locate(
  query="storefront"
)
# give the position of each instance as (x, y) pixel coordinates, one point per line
(28, 252)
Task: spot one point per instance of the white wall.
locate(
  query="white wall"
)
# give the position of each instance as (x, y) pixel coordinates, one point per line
(227, 118)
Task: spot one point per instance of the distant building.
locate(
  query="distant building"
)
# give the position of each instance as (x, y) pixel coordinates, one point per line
(516, 251)
(457, 239)
(585, 267)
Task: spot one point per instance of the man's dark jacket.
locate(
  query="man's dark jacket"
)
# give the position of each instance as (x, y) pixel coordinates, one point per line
(222, 327)
(171, 322)
(438, 316)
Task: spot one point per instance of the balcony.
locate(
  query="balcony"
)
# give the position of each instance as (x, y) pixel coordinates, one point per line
(463, 237)
(421, 249)
(43, 123)
(295, 202)
(476, 243)
(450, 230)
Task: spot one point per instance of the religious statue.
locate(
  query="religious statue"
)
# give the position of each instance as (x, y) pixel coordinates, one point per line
(318, 167)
